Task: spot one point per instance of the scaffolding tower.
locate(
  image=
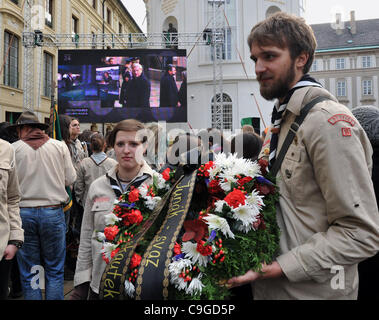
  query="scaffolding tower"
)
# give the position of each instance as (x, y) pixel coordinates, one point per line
(28, 79)
(214, 37)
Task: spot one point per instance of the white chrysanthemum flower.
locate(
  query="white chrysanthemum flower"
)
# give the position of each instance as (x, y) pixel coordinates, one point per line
(245, 214)
(129, 288)
(227, 185)
(213, 172)
(254, 170)
(179, 283)
(176, 267)
(215, 222)
(111, 219)
(161, 182)
(255, 201)
(100, 236)
(242, 228)
(195, 286)
(219, 204)
(143, 190)
(107, 249)
(189, 249)
(151, 202)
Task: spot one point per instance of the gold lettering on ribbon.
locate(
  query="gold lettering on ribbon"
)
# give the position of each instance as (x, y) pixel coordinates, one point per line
(110, 293)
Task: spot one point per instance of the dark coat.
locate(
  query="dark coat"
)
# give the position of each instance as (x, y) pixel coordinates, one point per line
(138, 93)
(126, 79)
(168, 96)
(368, 117)
(183, 93)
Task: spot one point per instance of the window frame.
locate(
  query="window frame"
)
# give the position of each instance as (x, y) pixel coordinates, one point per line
(47, 90)
(11, 79)
(366, 62)
(49, 10)
(367, 90)
(344, 88)
(340, 63)
(227, 111)
(74, 24)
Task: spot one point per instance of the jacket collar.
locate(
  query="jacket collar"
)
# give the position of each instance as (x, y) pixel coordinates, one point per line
(145, 169)
(304, 95)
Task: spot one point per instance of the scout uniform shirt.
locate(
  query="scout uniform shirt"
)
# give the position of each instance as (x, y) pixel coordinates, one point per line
(10, 220)
(100, 201)
(327, 210)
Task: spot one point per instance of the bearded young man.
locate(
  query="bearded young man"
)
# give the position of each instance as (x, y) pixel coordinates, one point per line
(327, 210)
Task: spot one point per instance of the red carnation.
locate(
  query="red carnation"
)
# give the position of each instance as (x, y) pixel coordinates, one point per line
(207, 166)
(235, 198)
(133, 195)
(177, 249)
(166, 174)
(134, 217)
(111, 232)
(214, 187)
(204, 250)
(242, 181)
(114, 252)
(135, 261)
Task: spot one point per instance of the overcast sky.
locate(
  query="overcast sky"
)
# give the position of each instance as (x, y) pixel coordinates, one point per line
(317, 11)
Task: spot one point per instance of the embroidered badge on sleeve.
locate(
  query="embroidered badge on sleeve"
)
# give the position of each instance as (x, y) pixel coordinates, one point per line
(341, 117)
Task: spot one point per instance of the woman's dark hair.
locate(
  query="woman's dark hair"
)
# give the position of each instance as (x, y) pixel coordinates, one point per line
(251, 144)
(64, 122)
(128, 126)
(97, 142)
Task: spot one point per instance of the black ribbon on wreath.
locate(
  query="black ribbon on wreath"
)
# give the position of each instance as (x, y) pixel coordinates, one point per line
(153, 275)
(152, 281)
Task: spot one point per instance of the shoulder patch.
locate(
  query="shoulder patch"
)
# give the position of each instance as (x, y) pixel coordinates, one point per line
(346, 132)
(342, 117)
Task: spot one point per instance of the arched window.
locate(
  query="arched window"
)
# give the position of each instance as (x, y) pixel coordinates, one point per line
(271, 10)
(170, 32)
(227, 111)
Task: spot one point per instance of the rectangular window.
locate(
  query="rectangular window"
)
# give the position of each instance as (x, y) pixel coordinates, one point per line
(47, 74)
(119, 27)
(340, 63)
(367, 87)
(341, 89)
(109, 16)
(75, 25)
(49, 13)
(366, 62)
(94, 4)
(227, 27)
(11, 58)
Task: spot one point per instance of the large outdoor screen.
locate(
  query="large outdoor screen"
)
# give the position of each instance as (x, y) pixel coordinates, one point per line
(112, 85)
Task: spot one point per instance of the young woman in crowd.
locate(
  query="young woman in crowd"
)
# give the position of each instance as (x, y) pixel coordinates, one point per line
(131, 170)
(92, 167)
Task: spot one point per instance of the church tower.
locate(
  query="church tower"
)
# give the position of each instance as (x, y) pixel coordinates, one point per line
(241, 97)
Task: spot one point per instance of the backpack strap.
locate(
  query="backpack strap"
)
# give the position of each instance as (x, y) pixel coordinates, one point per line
(292, 133)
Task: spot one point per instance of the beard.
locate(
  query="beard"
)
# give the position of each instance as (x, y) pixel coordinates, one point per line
(279, 88)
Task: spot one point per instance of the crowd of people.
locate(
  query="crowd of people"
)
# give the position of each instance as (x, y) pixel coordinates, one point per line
(55, 194)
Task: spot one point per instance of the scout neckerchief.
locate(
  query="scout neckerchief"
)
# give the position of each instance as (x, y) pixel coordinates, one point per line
(278, 111)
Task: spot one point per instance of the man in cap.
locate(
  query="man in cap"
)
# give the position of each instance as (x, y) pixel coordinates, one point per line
(327, 211)
(44, 169)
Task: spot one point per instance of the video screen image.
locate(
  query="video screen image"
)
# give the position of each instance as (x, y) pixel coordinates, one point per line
(112, 85)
